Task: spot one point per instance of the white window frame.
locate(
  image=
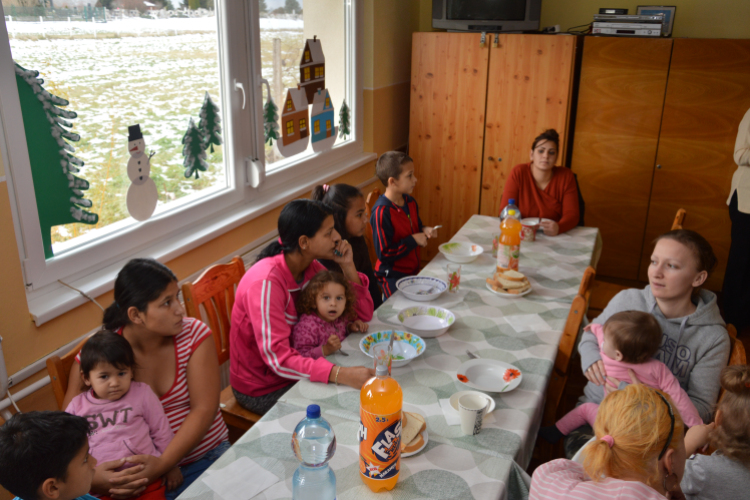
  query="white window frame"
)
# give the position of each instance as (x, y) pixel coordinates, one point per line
(180, 227)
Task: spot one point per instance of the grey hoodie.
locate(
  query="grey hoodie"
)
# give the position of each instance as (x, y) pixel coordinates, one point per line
(695, 348)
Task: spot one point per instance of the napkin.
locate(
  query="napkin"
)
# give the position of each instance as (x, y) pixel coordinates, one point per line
(451, 415)
(241, 480)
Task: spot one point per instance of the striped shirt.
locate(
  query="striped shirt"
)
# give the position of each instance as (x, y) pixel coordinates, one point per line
(566, 480)
(176, 401)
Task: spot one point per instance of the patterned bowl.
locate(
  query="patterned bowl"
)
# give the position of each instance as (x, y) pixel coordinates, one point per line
(427, 321)
(461, 252)
(406, 346)
(421, 288)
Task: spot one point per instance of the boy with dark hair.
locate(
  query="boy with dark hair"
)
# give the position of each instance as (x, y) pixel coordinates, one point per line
(397, 229)
(44, 455)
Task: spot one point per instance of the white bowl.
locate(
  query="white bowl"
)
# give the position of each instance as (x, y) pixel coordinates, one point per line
(460, 252)
(427, 321)
(406, 345)
(421, 288)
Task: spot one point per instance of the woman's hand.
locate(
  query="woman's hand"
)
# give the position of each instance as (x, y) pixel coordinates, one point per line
(118, 485)
(332, 345)
(173, 479)
(358, 326)
(346, 255)
(550, 227)
(353, 376)
(596, 373)
(153, 467)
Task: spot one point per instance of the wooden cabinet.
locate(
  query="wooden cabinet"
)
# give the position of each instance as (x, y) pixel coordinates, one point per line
(474, 113)
(707, 95)
(655, 130)
(620, 101)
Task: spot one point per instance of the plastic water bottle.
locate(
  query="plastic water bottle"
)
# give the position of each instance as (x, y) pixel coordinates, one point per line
(314, 444)
(506, 211)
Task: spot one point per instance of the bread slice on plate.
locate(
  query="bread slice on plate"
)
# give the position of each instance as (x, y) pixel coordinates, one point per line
(411, 425)
(512, 275)
(509, 285)
(413, 445)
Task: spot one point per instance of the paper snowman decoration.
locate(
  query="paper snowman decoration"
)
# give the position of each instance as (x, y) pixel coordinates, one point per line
(142, 194)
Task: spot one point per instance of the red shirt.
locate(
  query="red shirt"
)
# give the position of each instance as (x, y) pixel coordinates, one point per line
(558, 201)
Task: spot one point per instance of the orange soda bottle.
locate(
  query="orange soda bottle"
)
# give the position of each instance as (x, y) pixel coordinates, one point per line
(379, 434)
(510, 242)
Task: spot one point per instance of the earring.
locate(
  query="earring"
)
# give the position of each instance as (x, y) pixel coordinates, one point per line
(671, 482)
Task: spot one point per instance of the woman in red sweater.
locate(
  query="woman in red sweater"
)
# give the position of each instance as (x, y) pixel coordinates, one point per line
(543, 190)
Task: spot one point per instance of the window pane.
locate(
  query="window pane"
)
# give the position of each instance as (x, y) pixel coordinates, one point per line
(148, 68)
(284, 34)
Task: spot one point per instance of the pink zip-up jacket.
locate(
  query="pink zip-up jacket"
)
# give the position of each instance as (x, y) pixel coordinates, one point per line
(652, 373)
(262, 359)
(135, 424)
(311, 333)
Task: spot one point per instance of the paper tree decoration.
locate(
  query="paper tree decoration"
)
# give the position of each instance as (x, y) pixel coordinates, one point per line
(295, 134)
(59, 193)
(142, 194)
(321, 118)
(193, 151)
(210, 123)
(271, 121)
(344, 120)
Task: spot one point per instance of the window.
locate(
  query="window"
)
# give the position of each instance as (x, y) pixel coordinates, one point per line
(322, 71)
(328, 124)
(316, 126)
(107, 78)
(328, 102)
(307, 74)
(317, 72)
(303, 124)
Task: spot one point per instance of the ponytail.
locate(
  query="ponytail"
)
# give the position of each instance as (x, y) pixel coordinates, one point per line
(298, 218)
(139, 282)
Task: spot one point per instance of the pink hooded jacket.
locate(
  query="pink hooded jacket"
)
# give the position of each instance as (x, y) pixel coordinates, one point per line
(262, 359)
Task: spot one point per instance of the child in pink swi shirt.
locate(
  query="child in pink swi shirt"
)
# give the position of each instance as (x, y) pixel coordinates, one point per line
(628, 341)
(327, 315)
(125, 416)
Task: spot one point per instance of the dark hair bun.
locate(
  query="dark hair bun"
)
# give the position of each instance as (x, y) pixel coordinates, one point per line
(736, 379)
(550, 135)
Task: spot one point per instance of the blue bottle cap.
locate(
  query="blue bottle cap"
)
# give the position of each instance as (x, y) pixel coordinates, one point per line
(313, 411)
(512, 201)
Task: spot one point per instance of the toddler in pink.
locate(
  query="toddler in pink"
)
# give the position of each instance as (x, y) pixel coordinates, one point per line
(327, 315)
(628, 341)
(126, 418)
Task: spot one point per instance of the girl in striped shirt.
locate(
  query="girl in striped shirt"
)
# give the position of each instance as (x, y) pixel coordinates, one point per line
(639, 453)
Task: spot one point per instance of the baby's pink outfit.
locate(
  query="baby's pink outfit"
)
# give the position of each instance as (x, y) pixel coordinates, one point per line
(135, 424)
(652, 373)
(311, 333)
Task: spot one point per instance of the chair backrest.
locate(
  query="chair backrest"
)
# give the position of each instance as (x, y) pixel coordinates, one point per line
(574, 322)
(737, 355)
(372, 197)
(59, 372)
(214, 290)
(679, 219)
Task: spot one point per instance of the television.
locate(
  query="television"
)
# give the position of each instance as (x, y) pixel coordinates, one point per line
(486, 15)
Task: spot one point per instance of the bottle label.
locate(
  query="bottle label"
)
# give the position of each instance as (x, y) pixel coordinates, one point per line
(379, 444)
(507, 256)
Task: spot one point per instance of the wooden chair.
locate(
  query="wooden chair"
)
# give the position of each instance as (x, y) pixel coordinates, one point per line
(560, 371)
(372, 197)
(602, 291)
(59, 372)
(214, 290)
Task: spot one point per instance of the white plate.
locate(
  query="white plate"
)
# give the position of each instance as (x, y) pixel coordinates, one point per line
(460, 252)
(456, 396)
(413, 409)
(416, 287)
(510, 295)
(426, 321)
(487, 375)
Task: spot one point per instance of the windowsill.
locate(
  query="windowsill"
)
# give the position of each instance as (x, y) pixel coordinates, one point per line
(55, 299)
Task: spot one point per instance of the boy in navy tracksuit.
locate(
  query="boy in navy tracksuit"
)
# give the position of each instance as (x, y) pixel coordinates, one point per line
(397, 231)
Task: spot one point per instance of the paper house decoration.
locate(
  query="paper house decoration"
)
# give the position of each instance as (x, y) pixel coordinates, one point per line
(295, 132)
(312, 68)
(323, 131)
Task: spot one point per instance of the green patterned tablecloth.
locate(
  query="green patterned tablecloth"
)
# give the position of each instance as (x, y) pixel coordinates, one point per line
(523, 331)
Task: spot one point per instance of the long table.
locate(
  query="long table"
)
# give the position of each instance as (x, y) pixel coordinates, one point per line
(524, 331)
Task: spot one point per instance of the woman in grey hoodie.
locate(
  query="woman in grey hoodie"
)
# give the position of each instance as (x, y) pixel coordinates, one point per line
(695, 344)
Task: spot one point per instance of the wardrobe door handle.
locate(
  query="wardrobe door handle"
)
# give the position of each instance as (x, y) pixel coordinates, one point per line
(659, 167)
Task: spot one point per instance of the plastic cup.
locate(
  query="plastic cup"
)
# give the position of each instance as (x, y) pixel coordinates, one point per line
(495, 245)
(471, 409)
(454, 277)
(529, 227)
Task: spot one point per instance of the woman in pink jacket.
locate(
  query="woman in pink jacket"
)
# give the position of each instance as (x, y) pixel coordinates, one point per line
(263, 364)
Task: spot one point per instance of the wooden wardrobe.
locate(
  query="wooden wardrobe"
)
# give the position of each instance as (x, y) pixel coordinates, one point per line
(475, 111)
(655, 131)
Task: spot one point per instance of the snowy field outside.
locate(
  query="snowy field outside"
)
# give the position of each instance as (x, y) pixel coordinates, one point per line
(153, 72)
